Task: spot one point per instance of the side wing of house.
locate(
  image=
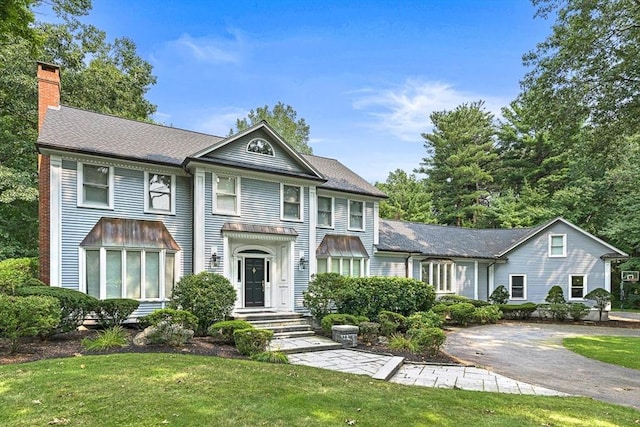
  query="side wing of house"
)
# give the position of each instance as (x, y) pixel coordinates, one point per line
(559, 254)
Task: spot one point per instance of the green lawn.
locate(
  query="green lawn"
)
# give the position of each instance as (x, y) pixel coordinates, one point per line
(622, 351)
(186, 390)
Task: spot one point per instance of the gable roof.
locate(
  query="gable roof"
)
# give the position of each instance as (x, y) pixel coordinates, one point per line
(341, 178)
(458, 242)
(446, 241)
(80, 131)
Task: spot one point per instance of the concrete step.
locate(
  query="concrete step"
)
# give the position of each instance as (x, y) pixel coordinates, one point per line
(302, 344)
(293, 334)
(274, 323)
(389, 369)
(266, 315)
(285, 328)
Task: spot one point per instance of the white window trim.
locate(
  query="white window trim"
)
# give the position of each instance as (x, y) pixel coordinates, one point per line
(282, 217)
(80, 187)
(333, 211)
(364, 215)
(434, 271)
(363, 262)
(103, 271)
(524, 287)
(564, 245)
(214, 199)
(584, 287)
(273, 152)
(147, 209)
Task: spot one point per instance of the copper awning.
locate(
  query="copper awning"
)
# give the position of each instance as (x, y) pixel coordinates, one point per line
(130, 233)
(255, 228)
(341, 246)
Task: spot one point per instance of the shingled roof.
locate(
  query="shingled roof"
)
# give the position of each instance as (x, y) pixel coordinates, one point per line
(341, 178)
(445, 241)
(71, 129)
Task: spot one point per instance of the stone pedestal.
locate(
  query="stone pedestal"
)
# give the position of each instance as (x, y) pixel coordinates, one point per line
(345, 334)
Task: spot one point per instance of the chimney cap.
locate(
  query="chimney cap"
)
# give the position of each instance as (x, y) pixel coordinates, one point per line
(48, 65)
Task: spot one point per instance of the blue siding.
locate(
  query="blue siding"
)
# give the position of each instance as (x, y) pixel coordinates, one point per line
(388, 265)
(128, 203)
(531, 259)
(237, 151)
(465, 272)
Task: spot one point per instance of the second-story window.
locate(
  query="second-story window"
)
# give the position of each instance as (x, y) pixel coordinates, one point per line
(159, 193)
(356, 215)
(95, 186)
(291, 202)
(325, 212)
(226, 194)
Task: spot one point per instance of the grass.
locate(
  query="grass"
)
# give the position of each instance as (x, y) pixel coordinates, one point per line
(621, 351)
(109, 338)
(185, 390)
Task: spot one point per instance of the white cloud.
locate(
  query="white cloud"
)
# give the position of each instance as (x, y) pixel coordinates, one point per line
(220, 121)
(214, 50)
(403, 111)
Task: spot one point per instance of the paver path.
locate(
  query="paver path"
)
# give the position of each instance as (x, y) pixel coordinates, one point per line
(533, 353)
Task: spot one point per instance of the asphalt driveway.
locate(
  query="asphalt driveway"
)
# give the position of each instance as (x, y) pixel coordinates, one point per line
(533, 353)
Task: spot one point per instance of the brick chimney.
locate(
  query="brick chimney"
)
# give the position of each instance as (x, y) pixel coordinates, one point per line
(48, 96)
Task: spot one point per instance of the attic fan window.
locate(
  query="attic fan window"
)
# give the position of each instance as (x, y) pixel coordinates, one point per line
(260, 146)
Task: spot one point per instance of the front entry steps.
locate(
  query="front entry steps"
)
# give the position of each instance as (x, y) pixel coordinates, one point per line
(283, 324)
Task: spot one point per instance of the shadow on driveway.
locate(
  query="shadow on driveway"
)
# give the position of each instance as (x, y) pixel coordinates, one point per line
(533, 353)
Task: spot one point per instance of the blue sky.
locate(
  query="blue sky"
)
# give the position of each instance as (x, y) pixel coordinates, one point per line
(365, 75)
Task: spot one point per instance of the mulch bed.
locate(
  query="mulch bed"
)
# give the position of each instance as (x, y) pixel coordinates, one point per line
(69, 345)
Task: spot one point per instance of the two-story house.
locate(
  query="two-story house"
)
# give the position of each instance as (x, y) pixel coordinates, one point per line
(127, 208)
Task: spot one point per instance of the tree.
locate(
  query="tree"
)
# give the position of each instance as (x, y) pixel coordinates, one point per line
(283, 118)
(97, 75)
(601, 297)
(408, 199)
(458, 167)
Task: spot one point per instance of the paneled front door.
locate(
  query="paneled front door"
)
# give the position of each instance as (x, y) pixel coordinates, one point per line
(254, 282)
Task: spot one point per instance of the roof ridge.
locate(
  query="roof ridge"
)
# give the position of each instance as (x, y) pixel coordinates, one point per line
(459, 227)
(141, 121)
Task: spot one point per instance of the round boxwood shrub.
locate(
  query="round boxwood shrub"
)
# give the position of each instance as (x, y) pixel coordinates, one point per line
(115, 311)
(75, 306)
(17, 272)
(340, 319)
(488, 314)
(209, 296)
(28, 316)
(183, 318)
(427, 340)
(223, 331)
(425, 319)
(462, 313)
(252, 341)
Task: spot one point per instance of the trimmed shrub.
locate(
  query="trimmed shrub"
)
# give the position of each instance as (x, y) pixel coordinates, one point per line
(457, 299)
(109, 338)
(183, 318)
(223, 331)
(601, 297)
(210, 297)
(555, 295)
(369, 331)
(441, 309)
(22, 317)
(557, 311)
(500, 295)
(462, 313)
(340, 319)
(251, 341)
(578, 310)
(115, 311)
(488, 314)
(271, 357)
(75, 306)
(518, 311)
(17, 272)
(169, 333)
(425, 319)
(368, 296)
(320, 296)
(427, 340)
(397, 319)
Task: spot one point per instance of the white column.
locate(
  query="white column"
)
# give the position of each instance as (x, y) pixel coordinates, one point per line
(226, 260)
(492, 278)
(410, 267)
(198, 220)
(293, 263)
(376, 223)
(607, 276)
(313, 222)
(475, 280)
(55, 221)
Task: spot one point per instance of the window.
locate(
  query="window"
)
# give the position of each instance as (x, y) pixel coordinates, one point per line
(354, 267)
(577, 285)
(325, 212)
(159, 193)
(226, 194)
(140, 274)
(260, 146)
(518, 286)
(291, 202)
(95, 186)
(558, 245)
(440, 274)
(356, 215)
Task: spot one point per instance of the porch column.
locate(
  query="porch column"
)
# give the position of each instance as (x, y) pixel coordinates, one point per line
(475, 280)
(55, 221)
(198, 220)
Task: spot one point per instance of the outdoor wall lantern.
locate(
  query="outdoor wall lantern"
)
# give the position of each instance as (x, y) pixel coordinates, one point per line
(213, 261)
(302, 263)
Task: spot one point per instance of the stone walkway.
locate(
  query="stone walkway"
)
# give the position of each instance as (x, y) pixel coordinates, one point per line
(312, 351)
